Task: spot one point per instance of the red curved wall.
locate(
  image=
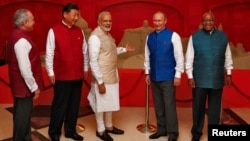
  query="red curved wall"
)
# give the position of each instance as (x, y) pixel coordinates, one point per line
(183, 16)
(133, 90)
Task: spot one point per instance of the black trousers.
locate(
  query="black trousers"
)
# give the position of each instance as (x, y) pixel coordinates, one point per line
(65, 107)
(200, 97)
(21, 119)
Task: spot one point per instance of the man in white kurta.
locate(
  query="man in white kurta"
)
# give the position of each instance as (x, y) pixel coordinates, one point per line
(104, 94)
(110, 100)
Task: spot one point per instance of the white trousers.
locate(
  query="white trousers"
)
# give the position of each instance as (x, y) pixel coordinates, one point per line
(103, 119)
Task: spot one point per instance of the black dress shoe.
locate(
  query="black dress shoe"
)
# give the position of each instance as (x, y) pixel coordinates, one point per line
(115, 131)
(156, 135)
(171, 139)
(55, 138)
(74, 136)
(195, 139)
(105, 136)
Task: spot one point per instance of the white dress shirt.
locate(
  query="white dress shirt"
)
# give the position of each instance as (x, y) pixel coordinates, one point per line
(110, 100)
(22, 48)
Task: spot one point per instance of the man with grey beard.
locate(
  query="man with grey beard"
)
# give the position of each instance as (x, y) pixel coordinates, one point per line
(104, 93)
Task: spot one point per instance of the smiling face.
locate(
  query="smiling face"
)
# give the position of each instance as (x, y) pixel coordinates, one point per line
(71, 17)
(159, 21)
(105, 21)
(208, 21)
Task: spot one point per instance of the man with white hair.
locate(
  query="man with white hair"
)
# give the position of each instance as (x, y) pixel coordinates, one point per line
(104, 93)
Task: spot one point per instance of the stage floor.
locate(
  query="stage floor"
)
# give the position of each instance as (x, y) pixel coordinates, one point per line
(128, 118)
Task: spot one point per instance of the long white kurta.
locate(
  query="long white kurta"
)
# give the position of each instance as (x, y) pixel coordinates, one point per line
(110, 100)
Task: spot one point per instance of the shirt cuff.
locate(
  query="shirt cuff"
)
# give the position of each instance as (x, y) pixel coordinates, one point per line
(100, 82)
(229, 72)
(190, 75)
(50, 72)
(178, 74)
(34, 88)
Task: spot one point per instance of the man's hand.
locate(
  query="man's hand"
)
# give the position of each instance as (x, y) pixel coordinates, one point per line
(177, 81)
(85, 75)
(228, 80)
(191, 83)
(37, 94)
(129, 48)
(52, 79)
(147, 79)
(102, 89)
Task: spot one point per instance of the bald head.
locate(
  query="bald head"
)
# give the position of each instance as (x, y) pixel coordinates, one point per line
(160, 13)
(159, 20)
(208, 14)
(208, 21)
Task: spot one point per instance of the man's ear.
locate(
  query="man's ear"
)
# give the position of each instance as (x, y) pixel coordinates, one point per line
(64, 14)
